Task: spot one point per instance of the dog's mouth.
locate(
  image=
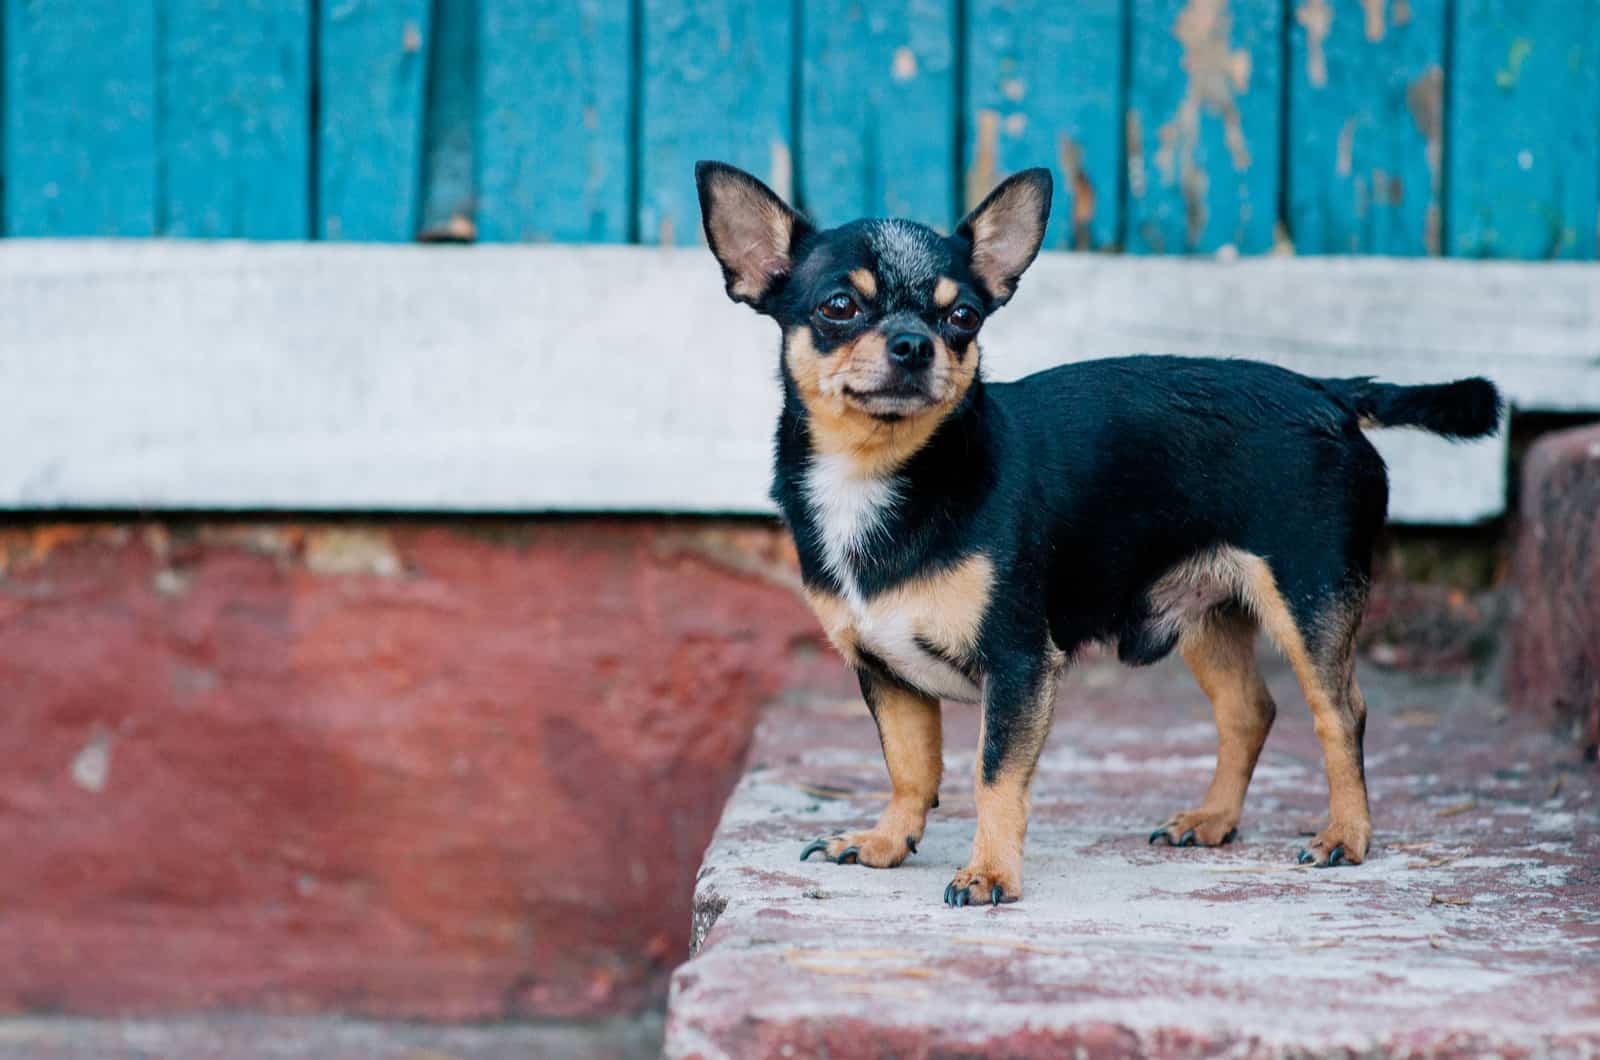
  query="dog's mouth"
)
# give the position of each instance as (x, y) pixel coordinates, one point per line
(890, 402)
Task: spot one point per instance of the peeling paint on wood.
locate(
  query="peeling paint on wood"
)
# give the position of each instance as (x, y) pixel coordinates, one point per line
(1524, 115)
(1206, 76)
(1364, 159)
(716, 84)
(1049, 74)
(80, 130)
(235, 98)
(553, 149)
(877, 110)
(372, 61)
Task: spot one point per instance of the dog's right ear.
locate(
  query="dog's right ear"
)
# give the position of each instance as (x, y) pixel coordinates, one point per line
(751, 231)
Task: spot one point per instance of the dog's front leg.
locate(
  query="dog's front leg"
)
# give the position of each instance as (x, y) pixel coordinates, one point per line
(909, 730)
(1018, 702)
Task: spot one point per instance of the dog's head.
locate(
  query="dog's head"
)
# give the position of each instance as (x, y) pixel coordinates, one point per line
(880, 318)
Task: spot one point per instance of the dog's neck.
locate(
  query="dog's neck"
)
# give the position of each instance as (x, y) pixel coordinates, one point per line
(857, 532)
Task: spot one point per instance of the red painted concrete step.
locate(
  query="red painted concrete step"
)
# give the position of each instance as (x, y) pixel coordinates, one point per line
(1473, 928)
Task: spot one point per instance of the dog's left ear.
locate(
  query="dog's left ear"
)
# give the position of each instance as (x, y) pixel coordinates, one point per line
(1006, 230)
(751, 231)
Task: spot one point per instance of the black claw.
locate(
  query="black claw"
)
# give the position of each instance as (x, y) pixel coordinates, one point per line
(1335, 856)
(1232, 833)
(935, 802)
(1188, 839)
(950, 893)
(963, 896)
(911, 843)
(812, 847)
(996, 893)
(853, 854)
(1306, 857)
(1160, 833)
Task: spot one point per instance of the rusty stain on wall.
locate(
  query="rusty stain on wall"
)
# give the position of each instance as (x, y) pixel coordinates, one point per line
(1316, 18)
(1069, 155)
(1425, 101)
(981, 177)
(1217, 75)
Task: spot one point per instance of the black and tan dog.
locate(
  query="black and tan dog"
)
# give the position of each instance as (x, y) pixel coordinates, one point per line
(962, 539)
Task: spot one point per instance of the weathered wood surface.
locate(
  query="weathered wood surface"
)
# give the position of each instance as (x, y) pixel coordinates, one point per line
(1203, 125)
(235, 107)
(553, 127)
(1044, 86)
(1366, 154)
(877, 110)
(186, 375)
(716, 84)
(80, 130)
(1466, 128)
(373, 55)
(1525, 129)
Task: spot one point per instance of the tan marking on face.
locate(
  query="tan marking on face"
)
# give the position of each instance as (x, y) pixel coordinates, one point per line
(839, 423)
(945, 291)
(865, 282)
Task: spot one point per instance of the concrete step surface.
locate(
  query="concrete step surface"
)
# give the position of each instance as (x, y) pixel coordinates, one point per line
(1472, 929)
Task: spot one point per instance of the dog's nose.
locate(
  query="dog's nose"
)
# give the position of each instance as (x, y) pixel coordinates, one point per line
(910, 350)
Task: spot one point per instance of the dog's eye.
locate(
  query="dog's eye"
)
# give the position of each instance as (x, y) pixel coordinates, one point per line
(839, 308)
(963, 318)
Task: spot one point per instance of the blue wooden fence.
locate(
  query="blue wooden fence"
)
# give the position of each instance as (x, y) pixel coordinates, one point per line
(1461, 127)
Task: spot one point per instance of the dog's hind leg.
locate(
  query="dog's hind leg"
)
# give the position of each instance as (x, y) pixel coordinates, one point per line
(909, 730)
(1321, 648)
(1220, 649)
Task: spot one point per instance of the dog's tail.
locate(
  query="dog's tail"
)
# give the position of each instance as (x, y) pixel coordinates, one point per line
(1466, 408)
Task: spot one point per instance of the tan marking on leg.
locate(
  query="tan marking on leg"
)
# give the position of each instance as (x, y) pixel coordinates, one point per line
(865, 282)
(1332, 712)
(945, 291)
(834, 615)
(1003, 804)
(1220, 650)
(875, 447)
(909, 729)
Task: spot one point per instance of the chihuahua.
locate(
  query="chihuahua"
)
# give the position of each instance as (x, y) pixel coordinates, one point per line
(961, 539)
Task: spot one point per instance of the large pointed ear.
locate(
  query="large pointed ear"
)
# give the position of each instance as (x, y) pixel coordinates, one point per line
(1006, 230)
(751, 231)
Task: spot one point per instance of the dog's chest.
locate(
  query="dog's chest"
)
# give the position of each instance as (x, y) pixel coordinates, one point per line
(924, 629)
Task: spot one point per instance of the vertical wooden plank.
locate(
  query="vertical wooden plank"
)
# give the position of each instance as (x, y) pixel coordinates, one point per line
(450, 115)
(1524, 170)
(1043, 88)
(371, 68)
(1365, 166)
(1203, 119)
(554, 125)
(236, 119)
(80, 120)
(877, 110)
(716, 85)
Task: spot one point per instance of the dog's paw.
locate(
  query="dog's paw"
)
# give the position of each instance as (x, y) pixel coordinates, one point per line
(1202, 828)
(982, 886)
(1341, 843)
(877, 850)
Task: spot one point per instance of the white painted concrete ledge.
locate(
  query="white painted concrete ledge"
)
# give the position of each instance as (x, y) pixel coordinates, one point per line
(189, 375)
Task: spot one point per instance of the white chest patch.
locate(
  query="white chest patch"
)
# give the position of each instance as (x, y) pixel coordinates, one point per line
(849, 509)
